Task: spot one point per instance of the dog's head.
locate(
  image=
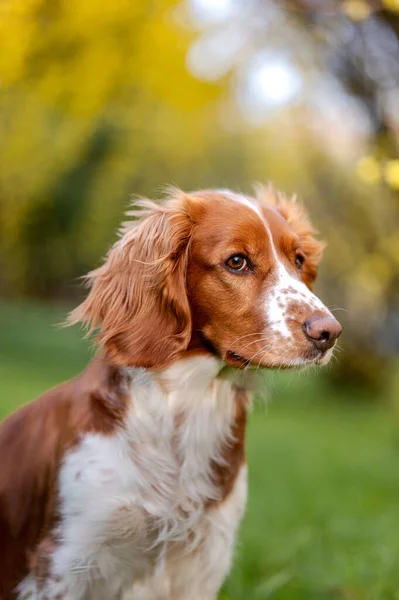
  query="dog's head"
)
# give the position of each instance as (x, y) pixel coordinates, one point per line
(215, 270)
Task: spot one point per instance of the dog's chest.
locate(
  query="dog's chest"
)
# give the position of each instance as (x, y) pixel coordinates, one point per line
(126, 497)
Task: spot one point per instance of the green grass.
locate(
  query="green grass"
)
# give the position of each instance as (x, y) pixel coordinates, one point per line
(323, 512)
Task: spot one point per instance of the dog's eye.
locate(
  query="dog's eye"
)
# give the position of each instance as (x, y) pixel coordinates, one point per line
(299, 260)
(237, 262)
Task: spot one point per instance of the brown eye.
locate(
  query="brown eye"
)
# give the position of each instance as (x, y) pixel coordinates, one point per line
(299, 260)
(237, 262)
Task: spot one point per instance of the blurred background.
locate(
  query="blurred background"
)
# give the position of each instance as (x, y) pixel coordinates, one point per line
(101, 100)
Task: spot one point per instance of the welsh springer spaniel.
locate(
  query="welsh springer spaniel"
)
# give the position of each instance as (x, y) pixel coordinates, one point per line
(129, 481)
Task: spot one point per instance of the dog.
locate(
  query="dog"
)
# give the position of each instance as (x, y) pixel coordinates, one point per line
(129, 481)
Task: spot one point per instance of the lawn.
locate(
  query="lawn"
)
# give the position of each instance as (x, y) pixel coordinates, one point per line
(323, 514)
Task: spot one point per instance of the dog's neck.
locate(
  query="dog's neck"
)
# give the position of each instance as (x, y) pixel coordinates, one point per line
(198, 368)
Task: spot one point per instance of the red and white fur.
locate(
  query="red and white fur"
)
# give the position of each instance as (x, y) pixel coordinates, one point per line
(129, 482)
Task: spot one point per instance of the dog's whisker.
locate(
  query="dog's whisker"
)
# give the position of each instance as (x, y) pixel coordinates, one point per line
(337, 308)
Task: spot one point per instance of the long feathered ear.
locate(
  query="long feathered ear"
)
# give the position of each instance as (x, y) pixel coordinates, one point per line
(296, 216)
(138, 297)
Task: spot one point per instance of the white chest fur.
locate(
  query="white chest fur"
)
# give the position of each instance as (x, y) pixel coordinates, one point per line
(135, 504)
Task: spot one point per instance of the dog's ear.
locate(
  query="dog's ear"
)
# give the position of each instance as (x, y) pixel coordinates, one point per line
(138, 297)
(296, 217)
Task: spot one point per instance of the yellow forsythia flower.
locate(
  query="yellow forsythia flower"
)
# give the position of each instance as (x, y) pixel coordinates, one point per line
(392, 4)
(391, 173)
(368, 169)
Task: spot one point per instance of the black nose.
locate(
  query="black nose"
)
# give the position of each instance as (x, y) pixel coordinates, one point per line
(322, 331)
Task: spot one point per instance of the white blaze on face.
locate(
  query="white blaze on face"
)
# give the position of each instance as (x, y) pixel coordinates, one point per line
(241, 199)
(286, 290)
